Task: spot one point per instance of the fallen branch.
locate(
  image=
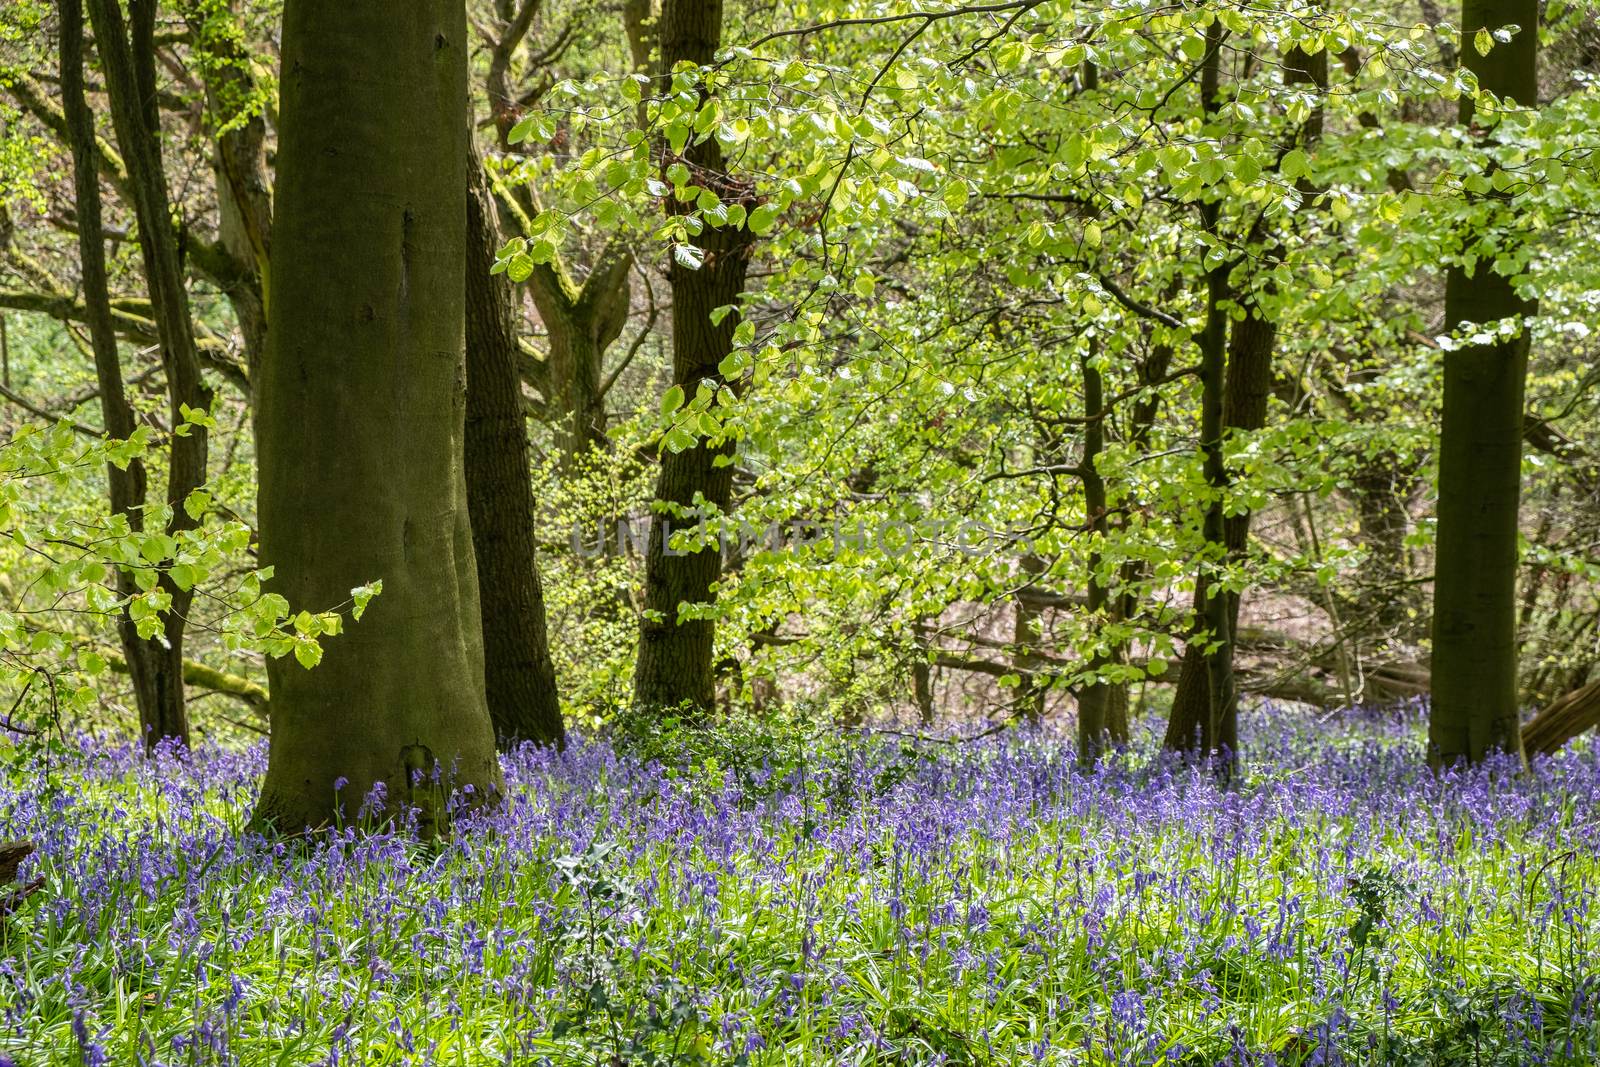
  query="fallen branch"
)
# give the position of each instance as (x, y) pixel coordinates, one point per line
(1567, 717)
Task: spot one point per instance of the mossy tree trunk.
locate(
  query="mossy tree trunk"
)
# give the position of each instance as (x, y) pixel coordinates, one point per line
(674, 667)
(361, 413)
(1474, 674)
(519, 677)
(238, 264)
(581, 322)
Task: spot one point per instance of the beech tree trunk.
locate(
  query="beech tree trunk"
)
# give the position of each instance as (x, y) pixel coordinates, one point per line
(128, 58)
(1102, 706)
(361, 416)
(674, 668)
(519, 677)
(1474, 709)
(1204, 710)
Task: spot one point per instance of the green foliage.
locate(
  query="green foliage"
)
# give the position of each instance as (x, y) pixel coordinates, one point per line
(64, 555)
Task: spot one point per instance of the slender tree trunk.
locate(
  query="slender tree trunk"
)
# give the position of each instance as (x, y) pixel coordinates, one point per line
(1474, 709)
(922, 690)
(1026, 619)
(1206, 703)
(1244, 407)
(1387, 601)
(1204, 709)
(145, 658)
(361, 415)
(1102, 708)
(519, 677)
(674, 667)
(127, 55)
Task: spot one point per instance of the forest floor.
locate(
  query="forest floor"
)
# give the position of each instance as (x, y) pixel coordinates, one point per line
(870, 901)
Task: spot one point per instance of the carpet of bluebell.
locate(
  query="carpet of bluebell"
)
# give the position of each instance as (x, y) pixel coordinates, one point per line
(877, 901)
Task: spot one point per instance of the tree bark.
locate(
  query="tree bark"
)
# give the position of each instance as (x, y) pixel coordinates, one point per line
(1102, 716)
(674, 667)
(361, 416)
(1244, 407)
(145, 659)
(1102, 706)
(1206, 704)
(1026, 618)
(1474, 708)
(127, 55)
(581, 322)
(519, 677)
(1204, 711)
(239, 163)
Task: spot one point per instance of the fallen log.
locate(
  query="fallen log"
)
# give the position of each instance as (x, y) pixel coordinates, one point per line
(1567, 717)
(12, 853)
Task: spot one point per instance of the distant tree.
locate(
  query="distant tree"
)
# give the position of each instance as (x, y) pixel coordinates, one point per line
(361, 411)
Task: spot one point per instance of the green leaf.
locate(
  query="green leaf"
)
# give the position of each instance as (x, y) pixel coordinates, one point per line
(522, 130)
(361, 595)
(763, 219)
(307, 652)
(688, 256)
(672, 400)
